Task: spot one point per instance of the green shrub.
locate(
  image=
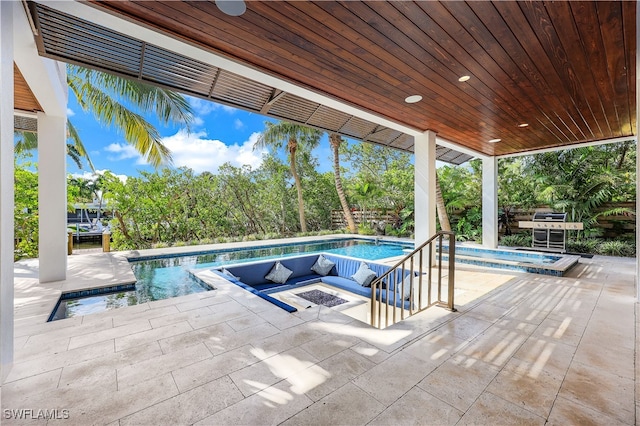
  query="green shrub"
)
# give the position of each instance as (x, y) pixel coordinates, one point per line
(180, 244)
(119, 242)
(474, 235)
(617, 248)
(583, 245)
(516, 240)
(365, 230)
(271, 236)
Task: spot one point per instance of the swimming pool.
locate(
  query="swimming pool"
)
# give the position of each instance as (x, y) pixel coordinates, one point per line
(164, 276)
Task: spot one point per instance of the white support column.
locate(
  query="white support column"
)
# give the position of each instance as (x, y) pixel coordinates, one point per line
(52, 197)
(425, 186)
(637, 156)
(6, 187)
(490, 202)
(48, 81)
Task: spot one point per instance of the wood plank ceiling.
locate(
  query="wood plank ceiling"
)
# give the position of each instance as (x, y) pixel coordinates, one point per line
(564, 69)
(24, 99)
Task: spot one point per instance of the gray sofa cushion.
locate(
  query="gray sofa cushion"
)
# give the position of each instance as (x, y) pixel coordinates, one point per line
(364, 275)
(323, 266)
(279, 273)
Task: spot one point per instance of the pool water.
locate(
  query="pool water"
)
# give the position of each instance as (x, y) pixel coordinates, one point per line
(532, 262)
(534, 258)
(164, 277)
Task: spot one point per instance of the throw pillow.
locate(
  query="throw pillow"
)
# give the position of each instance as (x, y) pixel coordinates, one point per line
(364, 276)
(226, 272)
(407, 287)
(279, 273)
(322, 266)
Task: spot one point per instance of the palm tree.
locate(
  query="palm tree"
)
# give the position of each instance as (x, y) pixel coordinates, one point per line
(111, 99)
(335, 140)
(365, 191)
(108, 97)
(443, 216)
(275, 134)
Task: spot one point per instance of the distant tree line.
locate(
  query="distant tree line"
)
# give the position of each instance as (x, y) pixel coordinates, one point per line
(175, 206)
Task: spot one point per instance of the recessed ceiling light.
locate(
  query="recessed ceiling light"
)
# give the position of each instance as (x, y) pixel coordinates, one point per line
(464, 78)
(523, 124)
(413, 99)
(494, 140)
(232, 7)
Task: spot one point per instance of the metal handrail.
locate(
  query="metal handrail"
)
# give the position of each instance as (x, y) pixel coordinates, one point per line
(390, 280)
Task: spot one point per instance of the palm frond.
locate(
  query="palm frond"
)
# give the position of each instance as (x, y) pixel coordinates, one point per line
(168, 106)
(617, 211)
(77, 146)
(28, 141)
(279, 134)
(141, 134)
(72, 152)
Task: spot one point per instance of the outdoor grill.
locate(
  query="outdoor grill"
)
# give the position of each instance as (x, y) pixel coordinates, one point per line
(550, 230)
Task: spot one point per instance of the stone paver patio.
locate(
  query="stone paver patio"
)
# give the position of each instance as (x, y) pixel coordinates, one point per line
(522, 349)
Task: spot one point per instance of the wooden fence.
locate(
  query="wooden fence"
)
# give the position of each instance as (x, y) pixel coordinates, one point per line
(372, 216)
(613, 226)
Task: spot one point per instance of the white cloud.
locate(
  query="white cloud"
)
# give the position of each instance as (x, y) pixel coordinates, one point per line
(201, 154)
(197, 152)
(198, 121)
(204, 107)
(123, 152)
(238, 124)
(70, 112)
(86, 175)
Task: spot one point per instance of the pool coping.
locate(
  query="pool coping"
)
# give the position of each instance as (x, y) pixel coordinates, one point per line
(153, 254)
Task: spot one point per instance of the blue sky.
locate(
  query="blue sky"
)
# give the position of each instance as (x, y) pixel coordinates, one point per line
(220, 134)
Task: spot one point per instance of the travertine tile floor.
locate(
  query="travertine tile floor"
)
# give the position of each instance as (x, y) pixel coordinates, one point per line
(522, 349)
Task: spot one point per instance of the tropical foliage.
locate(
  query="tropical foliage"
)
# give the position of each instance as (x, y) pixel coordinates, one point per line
(178, 206)
(25, 219)
(294, 137)
(238, 202)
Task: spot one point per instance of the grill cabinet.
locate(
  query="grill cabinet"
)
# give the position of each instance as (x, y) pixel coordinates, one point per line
(549, 231)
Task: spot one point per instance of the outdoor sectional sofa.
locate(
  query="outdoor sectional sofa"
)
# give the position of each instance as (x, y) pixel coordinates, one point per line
(251, 277)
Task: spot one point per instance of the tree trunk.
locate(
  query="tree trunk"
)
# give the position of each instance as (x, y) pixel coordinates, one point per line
(625, 148)
(335, 141)
(443, 217)
(293, 145)
(123, 227)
